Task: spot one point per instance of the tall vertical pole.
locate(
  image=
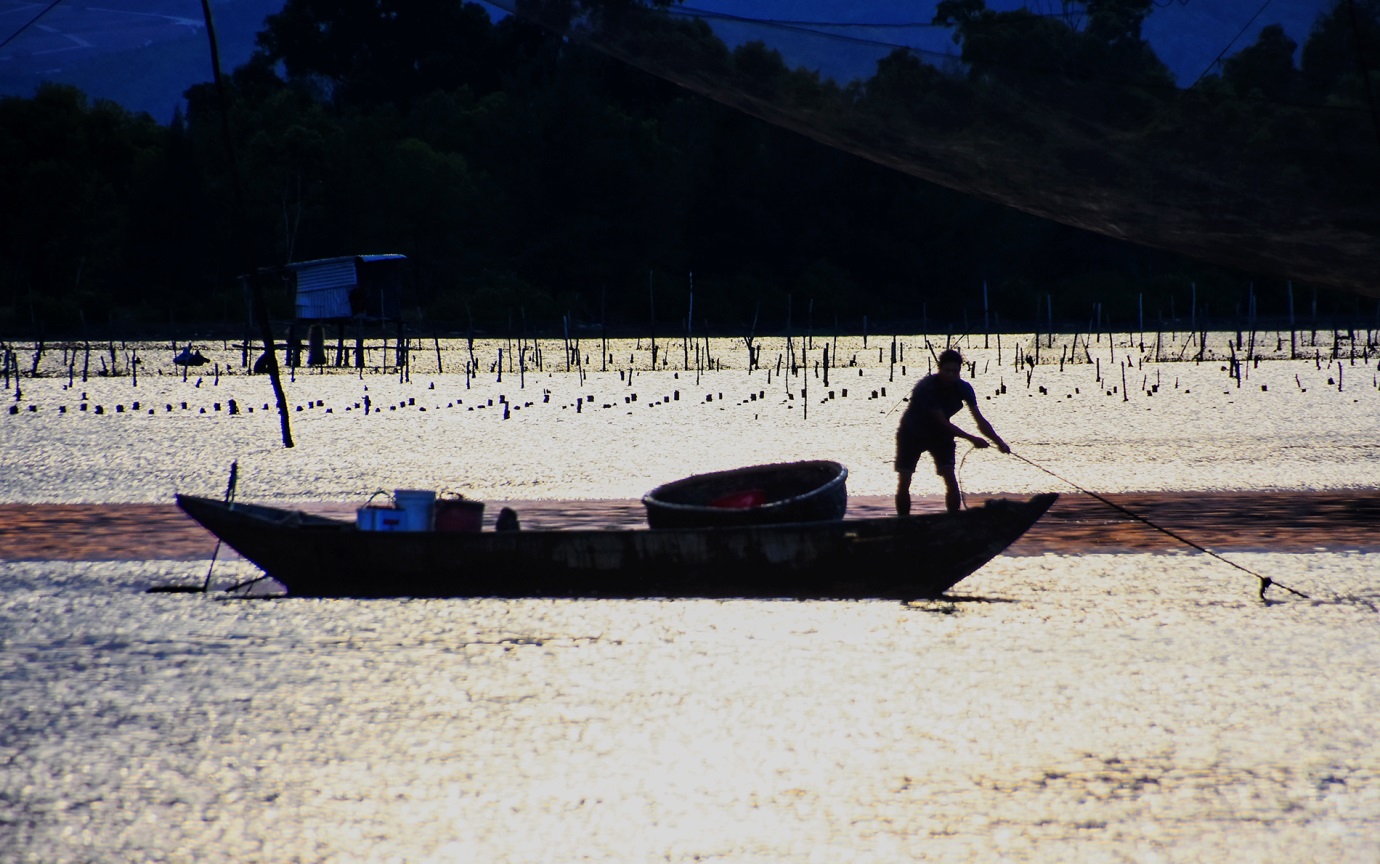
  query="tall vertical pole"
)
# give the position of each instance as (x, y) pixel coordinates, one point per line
(689, 321)
(256, 291)
(1293, 337)
(986, 318)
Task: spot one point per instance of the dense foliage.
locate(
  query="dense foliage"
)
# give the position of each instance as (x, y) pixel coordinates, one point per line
(524, 175)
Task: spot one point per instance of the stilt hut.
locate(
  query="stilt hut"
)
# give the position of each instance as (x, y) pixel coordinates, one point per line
(351, 289)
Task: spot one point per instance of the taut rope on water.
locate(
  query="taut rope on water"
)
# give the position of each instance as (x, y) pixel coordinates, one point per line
(1265, 581)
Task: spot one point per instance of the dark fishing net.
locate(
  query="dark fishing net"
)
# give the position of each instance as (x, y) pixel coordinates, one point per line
(1264, 164)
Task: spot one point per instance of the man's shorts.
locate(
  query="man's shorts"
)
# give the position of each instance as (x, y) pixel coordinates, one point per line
(909, 446)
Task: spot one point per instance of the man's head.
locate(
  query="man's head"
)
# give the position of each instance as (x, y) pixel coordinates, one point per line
(950, 365)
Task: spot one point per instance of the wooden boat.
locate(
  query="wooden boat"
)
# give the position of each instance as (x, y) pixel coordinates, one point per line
(813, 491)
(900, 558)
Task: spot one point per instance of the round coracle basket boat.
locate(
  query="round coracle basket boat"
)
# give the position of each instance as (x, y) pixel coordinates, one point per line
(810, 491)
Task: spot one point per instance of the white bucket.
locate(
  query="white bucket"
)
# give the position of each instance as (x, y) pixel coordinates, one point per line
(420, 507)
(380, 519)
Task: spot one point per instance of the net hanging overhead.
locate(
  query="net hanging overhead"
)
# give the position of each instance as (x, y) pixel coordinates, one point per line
(1267, 161)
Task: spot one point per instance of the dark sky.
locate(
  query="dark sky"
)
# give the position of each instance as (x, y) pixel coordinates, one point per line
(1188, 35)
(145, 53)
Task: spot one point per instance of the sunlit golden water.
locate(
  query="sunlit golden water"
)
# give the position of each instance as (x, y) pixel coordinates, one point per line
(1175, 426)
(1124, 707)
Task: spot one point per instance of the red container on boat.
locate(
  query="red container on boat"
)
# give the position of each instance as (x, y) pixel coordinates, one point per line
(741, 499)
(459, 514)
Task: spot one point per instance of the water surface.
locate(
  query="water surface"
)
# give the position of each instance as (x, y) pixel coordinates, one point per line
(1061, 707)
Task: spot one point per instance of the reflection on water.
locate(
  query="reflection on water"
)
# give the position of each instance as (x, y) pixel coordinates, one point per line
(1125, 707)
(1065, 707)
(617, 433)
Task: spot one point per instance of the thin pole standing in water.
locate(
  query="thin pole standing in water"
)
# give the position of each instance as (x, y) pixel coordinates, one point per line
(1265, 581)
(257, 300)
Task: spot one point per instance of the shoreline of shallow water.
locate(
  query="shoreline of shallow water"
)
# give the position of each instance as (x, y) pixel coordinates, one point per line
(1329, 522)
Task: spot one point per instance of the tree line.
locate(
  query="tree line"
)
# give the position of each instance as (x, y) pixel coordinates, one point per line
(526, 176)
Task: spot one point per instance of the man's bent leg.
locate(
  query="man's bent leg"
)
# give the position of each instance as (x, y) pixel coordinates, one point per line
(903, 493)
(952, 499)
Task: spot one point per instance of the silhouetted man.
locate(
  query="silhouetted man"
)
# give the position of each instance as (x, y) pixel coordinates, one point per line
(925, 426)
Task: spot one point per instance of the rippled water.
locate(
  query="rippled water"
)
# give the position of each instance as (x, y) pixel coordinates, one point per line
(1200, 430)
(1063, 708)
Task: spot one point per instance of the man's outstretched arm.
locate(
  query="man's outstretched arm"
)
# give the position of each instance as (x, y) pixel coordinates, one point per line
(986, 429)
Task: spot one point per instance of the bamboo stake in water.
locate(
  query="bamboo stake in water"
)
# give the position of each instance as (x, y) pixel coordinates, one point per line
(689, 322)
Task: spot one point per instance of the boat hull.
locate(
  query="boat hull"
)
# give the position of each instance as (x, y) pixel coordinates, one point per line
(900, 558)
